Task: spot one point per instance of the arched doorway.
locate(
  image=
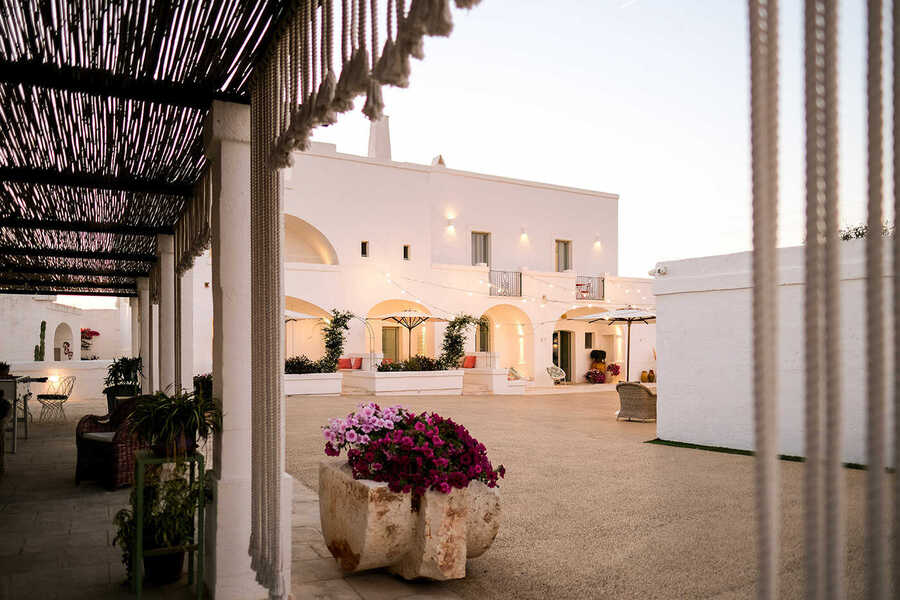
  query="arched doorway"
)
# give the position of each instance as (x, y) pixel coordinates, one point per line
(510, 335)
(303, 336)
(62, 343)
(392, 340)
(306, 244)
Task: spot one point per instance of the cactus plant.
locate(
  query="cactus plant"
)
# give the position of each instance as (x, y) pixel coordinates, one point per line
(39, 349)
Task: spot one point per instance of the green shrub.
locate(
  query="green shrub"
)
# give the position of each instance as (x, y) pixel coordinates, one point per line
(454, 346)
(415, 363)
(300, 365)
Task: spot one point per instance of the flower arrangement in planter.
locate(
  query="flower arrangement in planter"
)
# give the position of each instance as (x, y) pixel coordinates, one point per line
(173, 424)
(417, 494)
(87, 337)
(411, 452)
(612, 372)
(203, 385)
(302, 365)
(595, 376)
(168, 520)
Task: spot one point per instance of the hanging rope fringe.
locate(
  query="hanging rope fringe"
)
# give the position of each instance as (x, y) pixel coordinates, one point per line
(309, 90)
(764, 155)
(192, 233)
(295, 89)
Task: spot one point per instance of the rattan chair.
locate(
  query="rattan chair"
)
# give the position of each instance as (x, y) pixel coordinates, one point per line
(106, 447)
(556, 374)
(115, 393)
(54, 398)
(636, 402)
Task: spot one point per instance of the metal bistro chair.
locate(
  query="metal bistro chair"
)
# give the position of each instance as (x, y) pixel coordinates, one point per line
(52, 400)
(556, 374)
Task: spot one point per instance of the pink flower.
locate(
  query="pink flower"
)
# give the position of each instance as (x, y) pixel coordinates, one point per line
(351, 436)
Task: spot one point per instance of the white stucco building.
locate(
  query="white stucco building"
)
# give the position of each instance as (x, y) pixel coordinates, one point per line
(706, 351)
(370, 235)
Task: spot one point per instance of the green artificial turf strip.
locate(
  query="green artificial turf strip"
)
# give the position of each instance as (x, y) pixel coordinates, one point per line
(743, 452)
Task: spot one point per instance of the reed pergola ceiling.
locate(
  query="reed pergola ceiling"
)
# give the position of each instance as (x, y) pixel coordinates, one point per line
(101, 109)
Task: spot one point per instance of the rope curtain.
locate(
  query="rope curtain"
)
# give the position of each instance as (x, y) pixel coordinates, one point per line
(764, 158)
(192, 232)
(824, 494)
(296, 88)
(822, 485)
(154, 283)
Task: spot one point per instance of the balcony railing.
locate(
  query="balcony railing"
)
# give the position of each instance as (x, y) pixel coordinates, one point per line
(590, 288)
(506, 283)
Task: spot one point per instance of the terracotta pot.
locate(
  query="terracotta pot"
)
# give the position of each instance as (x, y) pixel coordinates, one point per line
(645, 377)
(165, 568)
(651, 376)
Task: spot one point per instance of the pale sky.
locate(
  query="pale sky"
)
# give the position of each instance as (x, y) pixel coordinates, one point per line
(644, 98)
(648, 99)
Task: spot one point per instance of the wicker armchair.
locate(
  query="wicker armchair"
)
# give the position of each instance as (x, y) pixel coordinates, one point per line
(106, 447)
(637, 402)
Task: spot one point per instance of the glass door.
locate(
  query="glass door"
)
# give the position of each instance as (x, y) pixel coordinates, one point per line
(562, 352)
(390, 343)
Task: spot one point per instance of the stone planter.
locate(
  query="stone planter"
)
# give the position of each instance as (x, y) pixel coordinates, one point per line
(405, 383)
(367, 526)
(313, 384)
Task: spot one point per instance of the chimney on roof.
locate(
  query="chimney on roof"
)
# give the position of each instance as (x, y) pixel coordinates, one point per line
(438, 161)
(380, 139)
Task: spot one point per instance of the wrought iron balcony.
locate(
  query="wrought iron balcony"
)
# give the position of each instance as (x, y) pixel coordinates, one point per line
(506, 283)
(590, 288)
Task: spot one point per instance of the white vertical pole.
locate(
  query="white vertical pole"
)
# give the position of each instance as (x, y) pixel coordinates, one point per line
(135, 305)
(166, 246)
(185, 318)
(144, 340)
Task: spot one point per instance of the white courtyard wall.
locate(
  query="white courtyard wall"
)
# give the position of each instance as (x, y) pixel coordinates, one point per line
(21, 317)
(705, 349)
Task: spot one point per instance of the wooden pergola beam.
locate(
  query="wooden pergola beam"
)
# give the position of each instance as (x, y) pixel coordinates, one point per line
(29, 270)
(103, 83)
(38, 283)
(83, 254)
(84, 226)
(93, 181)
(56, 292)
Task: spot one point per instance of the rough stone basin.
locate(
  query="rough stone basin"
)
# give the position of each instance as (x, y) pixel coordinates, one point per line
(367, 526)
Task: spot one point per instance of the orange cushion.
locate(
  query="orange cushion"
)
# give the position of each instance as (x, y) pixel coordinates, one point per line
(357, 363)
(469, 362)
(344, 363)
(386, 361)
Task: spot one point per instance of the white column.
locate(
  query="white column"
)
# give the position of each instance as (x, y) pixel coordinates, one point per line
(543, 353)
(144, 345)
(134, 303)
(186, 330)
(228, 572)
(166, 245)
(123, 305)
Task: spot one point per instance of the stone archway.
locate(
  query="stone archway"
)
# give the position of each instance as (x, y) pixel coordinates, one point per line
(511, 338)
(303, 336)
(305, 244)
(422, 337)
(63, 342)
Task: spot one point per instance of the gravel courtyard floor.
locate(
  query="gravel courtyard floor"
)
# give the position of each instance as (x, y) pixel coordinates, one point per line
(591, 511)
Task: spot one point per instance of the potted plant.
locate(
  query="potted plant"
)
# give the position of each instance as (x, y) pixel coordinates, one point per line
(172, 424)
(4, 369)
(122, 379)
(168, 521)
(417, 493)
(612, 372)
(203, 384)
(595, 376)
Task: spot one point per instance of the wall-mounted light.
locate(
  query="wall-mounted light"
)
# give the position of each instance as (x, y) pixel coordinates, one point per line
(598, 243)
(450, 225)
(523, 237)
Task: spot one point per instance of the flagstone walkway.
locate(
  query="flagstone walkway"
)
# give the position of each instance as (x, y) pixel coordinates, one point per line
(56, 537)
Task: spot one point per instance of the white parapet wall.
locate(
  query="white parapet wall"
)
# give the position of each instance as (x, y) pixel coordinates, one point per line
(89, 375)
(704, 339)
(405, 383)
(313, 384)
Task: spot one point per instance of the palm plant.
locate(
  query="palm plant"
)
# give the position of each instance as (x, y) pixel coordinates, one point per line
(172, 424)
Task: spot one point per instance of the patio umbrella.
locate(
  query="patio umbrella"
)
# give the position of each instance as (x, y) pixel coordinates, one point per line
(623, 315)
(410, 319)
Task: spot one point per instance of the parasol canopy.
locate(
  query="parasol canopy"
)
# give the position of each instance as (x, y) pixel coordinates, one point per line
(627, 315)
(292, 315)
(409, 318)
